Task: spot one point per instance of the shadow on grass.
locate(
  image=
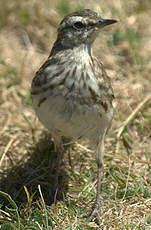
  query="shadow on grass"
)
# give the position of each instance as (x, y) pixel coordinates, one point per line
(35, 168)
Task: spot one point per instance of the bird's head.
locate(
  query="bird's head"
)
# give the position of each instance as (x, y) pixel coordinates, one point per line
(81, 27)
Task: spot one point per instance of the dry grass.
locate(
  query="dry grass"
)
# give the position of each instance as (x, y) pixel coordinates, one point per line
(27, 156)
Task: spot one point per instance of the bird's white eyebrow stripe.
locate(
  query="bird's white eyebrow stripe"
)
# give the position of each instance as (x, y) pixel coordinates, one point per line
(73, 19)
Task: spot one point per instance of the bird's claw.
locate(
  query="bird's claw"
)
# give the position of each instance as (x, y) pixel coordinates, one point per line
(94, 214)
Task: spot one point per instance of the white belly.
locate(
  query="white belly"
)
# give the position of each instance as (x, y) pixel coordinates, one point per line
(70, 119)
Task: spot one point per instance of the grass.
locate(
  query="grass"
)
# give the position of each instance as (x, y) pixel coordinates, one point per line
(27, 155)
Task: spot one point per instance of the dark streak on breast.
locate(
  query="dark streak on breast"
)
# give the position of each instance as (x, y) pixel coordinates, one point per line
(93, 94)
(67, 74)
(41, 101)
(98, 100)
(87, 76)
(74, 71)
(82, 77)
(55, 75)
(104, 105)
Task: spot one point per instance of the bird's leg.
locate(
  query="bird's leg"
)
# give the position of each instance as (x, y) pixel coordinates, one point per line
(97, 203)
(99, 160)
(60, 151)
(57, 172)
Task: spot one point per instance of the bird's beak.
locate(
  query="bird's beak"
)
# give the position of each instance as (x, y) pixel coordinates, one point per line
(104, 22)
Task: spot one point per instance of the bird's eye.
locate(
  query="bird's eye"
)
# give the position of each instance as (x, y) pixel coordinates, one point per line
(78, 25)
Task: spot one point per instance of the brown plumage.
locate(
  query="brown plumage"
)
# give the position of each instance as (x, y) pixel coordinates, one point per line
(71, 92)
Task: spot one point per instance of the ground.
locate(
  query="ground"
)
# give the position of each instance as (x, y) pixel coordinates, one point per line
(27, 157)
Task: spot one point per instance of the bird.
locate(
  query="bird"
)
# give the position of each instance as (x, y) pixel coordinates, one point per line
(71, 92)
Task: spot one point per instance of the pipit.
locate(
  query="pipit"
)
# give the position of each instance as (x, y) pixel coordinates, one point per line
(71, 92)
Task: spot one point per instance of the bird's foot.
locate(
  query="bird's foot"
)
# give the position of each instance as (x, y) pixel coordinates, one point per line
(94, 214)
